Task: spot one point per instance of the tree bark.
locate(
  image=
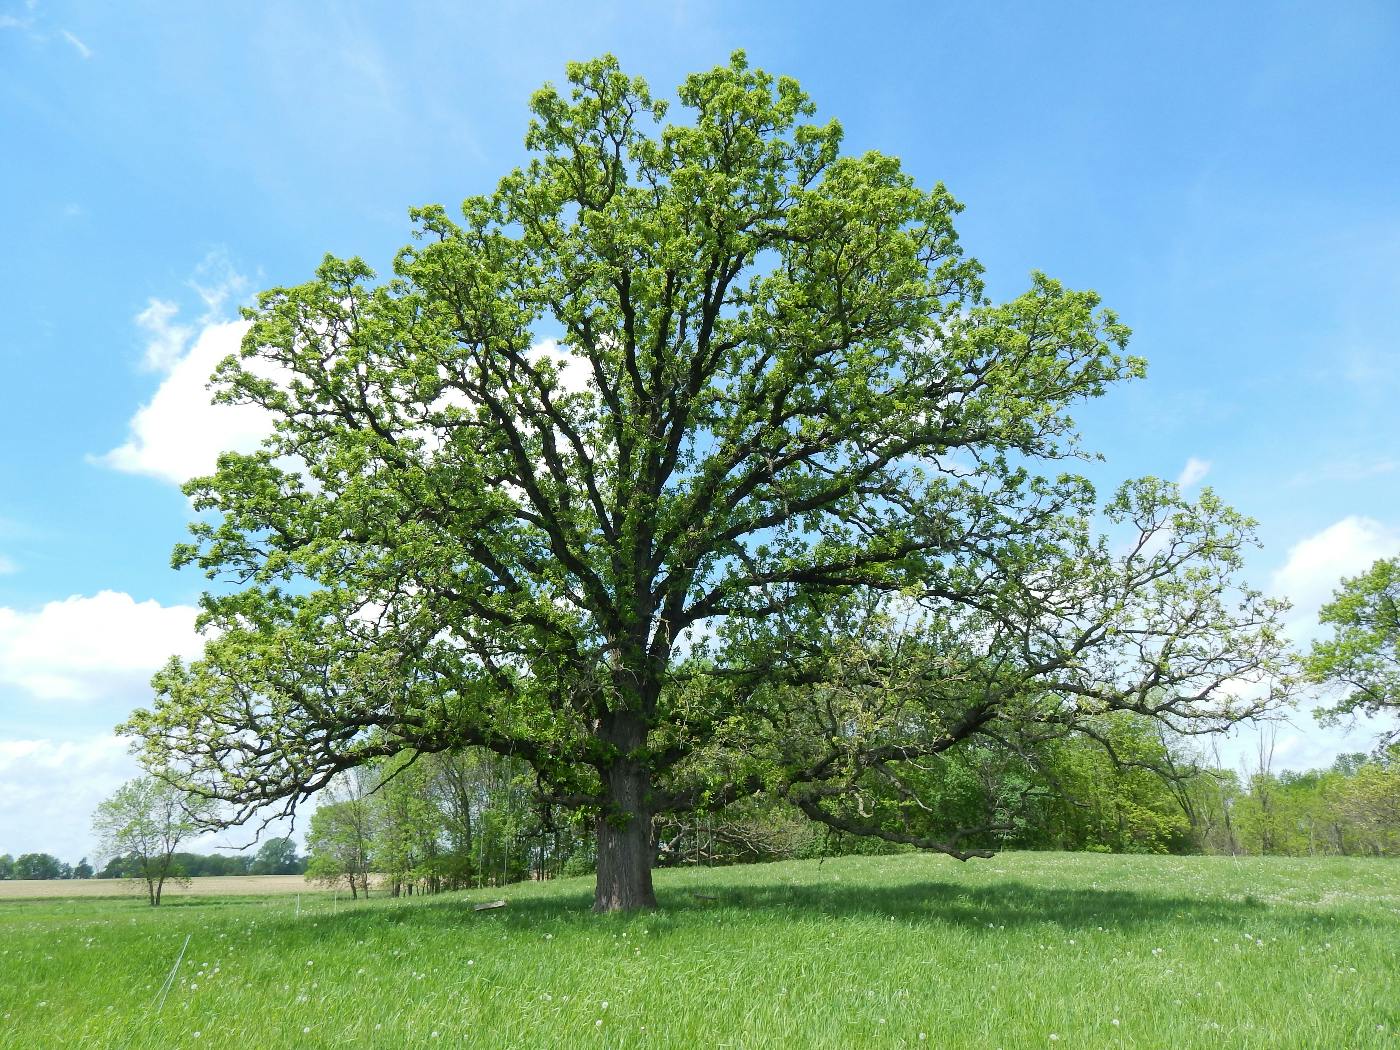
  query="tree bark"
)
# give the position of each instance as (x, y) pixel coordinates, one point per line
(625, 852)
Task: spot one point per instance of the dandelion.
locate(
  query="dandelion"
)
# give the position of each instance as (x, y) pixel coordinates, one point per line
(471, 962)
(1054, 1038)
(598, 1023)
(605, 1004)
(923, 1036)
(434, 1035)
(306, 1030)
(1115, 1022)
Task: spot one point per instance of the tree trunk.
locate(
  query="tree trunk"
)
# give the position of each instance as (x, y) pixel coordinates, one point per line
(625, 852)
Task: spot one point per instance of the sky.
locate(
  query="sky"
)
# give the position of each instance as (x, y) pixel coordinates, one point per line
(1226, 176)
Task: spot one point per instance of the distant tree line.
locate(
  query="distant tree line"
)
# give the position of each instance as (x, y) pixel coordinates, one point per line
(275, 857)
(41, 866)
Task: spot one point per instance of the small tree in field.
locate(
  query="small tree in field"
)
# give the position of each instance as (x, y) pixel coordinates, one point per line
(145, 820)
(340, 841)
(776, 508)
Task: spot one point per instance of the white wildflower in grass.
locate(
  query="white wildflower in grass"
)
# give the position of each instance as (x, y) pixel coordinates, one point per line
(1054, 1038)
(306, 1030)
(1115, 1022)
(605, 1004)
(598, 1023)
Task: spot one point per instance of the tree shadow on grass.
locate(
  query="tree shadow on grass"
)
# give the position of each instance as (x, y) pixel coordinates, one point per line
(928, 902)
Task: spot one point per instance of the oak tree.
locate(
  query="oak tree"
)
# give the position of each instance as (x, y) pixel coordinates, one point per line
(691, 463)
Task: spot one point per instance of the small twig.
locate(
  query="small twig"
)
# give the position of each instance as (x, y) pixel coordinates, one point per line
(165, 988)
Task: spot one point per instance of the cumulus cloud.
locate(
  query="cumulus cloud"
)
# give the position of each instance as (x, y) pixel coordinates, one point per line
(1193, 473)
(166, 343)
(179, 433)
(574, 369)
(49, 788)
(1316, 566)
(86, 648)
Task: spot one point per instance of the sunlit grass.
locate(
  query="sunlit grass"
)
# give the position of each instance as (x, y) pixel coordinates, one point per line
(1027, 950)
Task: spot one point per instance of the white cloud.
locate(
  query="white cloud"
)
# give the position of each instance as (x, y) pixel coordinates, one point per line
(179, 433)
(216, 282)
(575, 370)
(85, 648)
(83, 50)
(1316, 566)
(49, 788)
(167, 339)
(1194, 472)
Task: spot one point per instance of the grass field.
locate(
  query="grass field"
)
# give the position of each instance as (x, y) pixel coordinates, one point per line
(1026, 950)
(210, 886)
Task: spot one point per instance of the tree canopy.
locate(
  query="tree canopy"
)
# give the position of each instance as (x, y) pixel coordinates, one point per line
(1362, 658)
(693, 462)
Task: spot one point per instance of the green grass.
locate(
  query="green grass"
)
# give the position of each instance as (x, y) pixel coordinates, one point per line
(859, 951)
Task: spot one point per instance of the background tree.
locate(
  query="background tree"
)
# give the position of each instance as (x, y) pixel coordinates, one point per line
(144, 821)
(82, 870)
(1361, 660)
(37, 866)
(7, 867)
(277, 856)
(341, 835)
(779, 408)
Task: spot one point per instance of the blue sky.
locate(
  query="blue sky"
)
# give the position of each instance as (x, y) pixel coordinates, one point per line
(1226, 176)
